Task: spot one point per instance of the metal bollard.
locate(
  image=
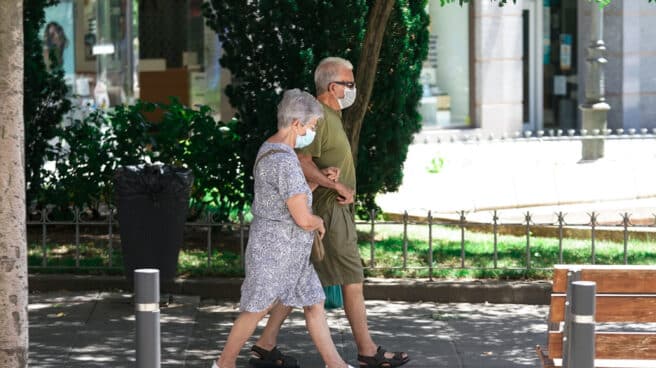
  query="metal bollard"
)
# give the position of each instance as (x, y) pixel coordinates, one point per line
(146, 308)
(582, 332)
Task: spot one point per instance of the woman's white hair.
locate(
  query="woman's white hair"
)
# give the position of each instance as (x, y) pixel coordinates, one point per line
(328, 71)
(298, 105)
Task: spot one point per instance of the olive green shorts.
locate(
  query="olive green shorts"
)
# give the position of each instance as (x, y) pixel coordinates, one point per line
(341, 264)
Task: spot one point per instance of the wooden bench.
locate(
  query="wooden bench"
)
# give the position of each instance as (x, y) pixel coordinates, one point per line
(624, 295)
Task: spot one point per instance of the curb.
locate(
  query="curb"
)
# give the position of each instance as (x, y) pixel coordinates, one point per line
(474, 291)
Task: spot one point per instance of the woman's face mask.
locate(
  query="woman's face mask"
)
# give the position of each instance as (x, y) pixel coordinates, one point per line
(305, 140)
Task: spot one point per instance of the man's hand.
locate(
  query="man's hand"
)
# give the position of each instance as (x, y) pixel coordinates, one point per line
(345, 194)
(331, 173)
(326, 178)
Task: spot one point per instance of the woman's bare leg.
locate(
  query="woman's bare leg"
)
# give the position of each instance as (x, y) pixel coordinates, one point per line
(315, 320)
(241, 331)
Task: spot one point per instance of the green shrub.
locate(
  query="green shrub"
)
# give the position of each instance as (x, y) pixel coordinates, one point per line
(89, 150)
(193, 139)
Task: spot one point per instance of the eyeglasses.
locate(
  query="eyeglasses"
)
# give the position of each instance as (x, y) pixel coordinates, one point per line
(345, 83)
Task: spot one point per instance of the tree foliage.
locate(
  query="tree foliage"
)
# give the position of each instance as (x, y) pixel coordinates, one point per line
(272, 45)
(45, 101)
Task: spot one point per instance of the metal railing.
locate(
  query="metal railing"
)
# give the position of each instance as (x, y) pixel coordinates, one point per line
(494, 228)
(206, 222)
(541, 135)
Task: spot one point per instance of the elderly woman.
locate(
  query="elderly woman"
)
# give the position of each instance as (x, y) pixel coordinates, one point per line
(278, 268)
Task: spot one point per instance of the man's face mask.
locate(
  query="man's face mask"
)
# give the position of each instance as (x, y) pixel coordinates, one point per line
(348, 99)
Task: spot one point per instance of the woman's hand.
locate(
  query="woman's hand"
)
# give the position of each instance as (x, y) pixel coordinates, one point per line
(302, 214)
(321, 230)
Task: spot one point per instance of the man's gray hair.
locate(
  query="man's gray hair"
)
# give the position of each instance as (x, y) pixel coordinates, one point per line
(328, 71)
(297, 104)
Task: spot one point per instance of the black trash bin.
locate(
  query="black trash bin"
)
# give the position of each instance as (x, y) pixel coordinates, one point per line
(152, 202)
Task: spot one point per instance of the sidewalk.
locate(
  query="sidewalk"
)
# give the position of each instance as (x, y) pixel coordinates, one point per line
(516, 176)
(96, 329)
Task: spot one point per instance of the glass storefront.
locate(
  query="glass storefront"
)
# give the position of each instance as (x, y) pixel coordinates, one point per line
(115, 51)
(95, 41)
(446, 72)
(560, 64)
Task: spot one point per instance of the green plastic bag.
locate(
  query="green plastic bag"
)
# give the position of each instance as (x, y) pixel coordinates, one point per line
(333, 297)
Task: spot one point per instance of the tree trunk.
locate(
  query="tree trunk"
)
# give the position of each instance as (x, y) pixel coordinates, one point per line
(13, 247)
(365, 72)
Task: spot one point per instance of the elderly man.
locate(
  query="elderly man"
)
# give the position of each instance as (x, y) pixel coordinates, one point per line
(333, 201)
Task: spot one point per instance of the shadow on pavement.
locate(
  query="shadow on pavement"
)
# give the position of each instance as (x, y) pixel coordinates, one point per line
(97, 330)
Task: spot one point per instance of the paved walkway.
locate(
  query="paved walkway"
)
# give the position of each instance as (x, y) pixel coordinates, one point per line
(96, 329)
(543, 177)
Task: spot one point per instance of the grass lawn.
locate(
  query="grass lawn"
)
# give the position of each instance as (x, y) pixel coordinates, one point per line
(388, 255)
(479, 253)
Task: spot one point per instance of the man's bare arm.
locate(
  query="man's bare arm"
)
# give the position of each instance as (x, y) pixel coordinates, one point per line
(314, 175)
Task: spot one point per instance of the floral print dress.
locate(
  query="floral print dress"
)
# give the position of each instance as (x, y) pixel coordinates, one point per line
(277, 259)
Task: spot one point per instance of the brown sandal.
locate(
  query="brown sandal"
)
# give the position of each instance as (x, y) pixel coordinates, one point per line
(379, 360)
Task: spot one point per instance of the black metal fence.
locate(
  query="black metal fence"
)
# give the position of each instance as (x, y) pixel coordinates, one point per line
(622, 230)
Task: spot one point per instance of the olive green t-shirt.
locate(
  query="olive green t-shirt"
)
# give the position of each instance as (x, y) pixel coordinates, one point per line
(331, 147)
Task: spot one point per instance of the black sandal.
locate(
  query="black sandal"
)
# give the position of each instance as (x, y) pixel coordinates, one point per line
(379, 360)
(271, 359)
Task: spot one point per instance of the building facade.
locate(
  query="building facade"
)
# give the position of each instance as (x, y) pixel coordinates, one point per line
(523, 66)
(500, 69)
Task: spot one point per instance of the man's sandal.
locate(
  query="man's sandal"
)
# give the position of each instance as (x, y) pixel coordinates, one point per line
(380, 361)
(271, 359)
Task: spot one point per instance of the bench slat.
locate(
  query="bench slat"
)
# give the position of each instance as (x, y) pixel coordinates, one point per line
(610, 279)
(616, 363)
(612, 345)
(612, 308)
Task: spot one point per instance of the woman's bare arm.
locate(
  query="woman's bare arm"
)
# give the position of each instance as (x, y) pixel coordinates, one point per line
(302, 215)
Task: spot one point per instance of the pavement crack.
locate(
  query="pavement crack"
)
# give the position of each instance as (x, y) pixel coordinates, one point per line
(93, 309)
(190, 337)
(456, 353)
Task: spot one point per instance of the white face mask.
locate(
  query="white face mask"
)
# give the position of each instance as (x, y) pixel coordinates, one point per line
(348, 99)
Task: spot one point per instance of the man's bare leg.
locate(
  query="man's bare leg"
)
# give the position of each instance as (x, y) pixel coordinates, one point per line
(357, 315)
(277, 317)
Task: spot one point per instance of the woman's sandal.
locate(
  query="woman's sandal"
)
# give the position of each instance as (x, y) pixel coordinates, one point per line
(379, 360)
(271, 359)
